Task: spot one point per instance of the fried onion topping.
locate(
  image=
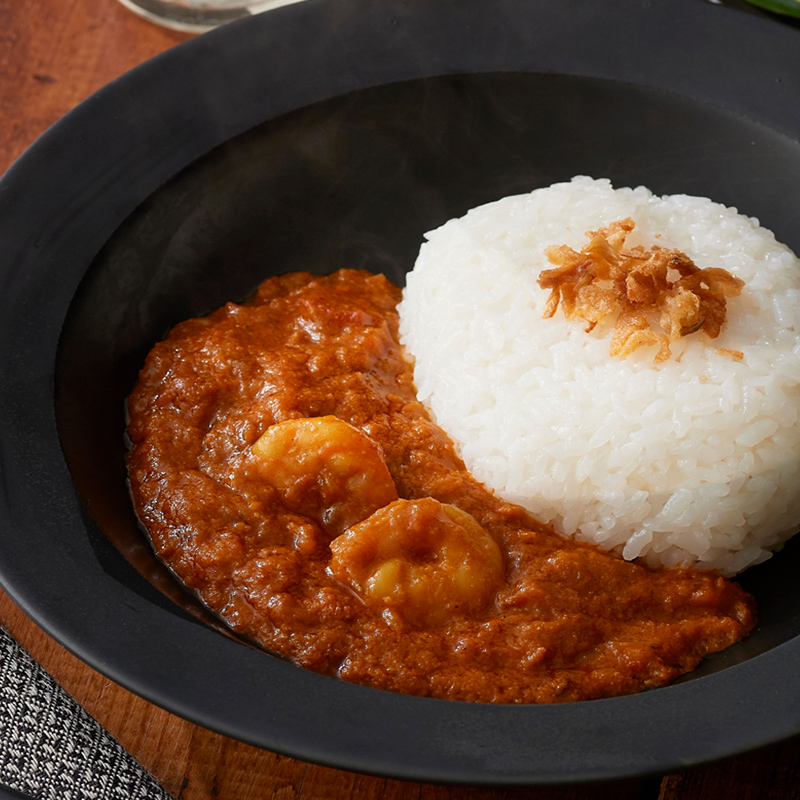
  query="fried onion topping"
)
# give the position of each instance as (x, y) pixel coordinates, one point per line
(658, 295)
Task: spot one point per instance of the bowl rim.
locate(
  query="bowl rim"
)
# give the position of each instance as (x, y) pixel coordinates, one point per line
(66, 195)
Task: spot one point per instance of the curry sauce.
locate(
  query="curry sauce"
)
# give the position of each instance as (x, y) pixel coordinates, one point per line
(286, 472)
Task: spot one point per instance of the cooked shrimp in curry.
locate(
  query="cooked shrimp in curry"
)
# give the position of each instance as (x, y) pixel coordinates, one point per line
(325, 469)
(427, 560)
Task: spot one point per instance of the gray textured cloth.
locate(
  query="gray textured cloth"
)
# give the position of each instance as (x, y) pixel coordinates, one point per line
(50, 748)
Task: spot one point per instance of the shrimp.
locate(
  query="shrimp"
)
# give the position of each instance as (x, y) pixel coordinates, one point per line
(424, 559)
(325, 469)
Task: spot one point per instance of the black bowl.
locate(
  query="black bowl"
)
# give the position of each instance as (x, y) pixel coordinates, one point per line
(334, 133)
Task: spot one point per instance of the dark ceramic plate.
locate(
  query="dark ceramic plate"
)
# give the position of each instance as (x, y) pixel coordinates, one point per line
(7, 793)
(327, 134)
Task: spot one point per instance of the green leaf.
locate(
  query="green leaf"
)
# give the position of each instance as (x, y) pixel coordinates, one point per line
(789, 7)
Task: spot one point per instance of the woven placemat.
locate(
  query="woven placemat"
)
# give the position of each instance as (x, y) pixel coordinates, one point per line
(51, 748)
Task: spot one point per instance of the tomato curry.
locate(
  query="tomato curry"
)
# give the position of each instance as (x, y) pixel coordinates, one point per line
(286, 473)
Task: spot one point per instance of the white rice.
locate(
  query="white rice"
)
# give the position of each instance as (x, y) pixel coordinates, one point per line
(693, 461)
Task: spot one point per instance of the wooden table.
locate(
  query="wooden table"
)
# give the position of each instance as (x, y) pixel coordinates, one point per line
(53, 54)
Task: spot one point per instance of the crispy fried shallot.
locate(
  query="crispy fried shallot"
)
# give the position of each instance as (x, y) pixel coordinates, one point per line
(647, 289)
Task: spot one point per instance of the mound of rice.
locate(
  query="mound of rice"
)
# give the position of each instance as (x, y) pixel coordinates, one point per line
(692, 461)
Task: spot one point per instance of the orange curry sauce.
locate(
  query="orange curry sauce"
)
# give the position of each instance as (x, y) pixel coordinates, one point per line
(543, 619)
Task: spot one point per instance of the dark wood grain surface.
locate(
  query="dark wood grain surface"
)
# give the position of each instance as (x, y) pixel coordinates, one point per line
(53, 54)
